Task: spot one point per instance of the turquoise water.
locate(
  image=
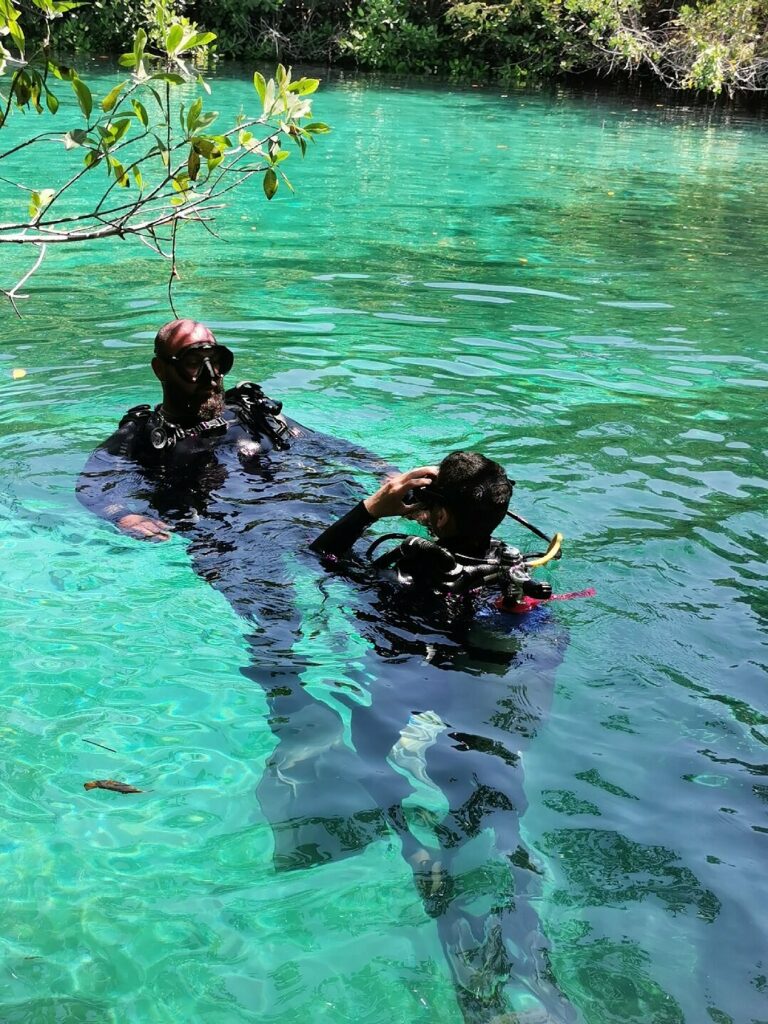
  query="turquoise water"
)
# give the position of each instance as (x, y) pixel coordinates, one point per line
(575, 286)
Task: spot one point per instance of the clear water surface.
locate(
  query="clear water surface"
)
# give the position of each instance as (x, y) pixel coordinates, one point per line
(575, 286)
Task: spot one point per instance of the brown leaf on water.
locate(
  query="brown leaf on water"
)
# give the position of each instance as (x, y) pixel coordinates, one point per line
(116, 787)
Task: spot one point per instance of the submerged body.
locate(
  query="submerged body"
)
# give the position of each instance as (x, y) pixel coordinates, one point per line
(437, 708)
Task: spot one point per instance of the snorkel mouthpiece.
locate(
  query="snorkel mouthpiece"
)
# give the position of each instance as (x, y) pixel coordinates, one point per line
(212, 373)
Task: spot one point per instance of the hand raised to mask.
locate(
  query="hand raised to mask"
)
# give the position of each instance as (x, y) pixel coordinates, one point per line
(388, 500)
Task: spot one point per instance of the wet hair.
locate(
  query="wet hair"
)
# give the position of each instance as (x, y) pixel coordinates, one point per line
(475, 490)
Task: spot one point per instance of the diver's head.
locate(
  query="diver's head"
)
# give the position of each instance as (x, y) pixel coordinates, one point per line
(469, 498)
(191, 365)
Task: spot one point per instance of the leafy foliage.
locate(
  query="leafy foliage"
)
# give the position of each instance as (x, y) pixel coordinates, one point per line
(712, 45)
(167, 154)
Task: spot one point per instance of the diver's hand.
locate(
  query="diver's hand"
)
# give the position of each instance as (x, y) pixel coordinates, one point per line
(144, 527)
(388, 500)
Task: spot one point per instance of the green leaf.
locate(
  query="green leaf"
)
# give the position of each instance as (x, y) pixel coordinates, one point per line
(200, 39)
(270, 183)
(174, 38)
(119, 128)
(39, 200)
(141, 112)
(128, 60)
(21, 89)
(139, 42)
(194, 114)
(35, 89)
(52, 101)
(162, 150)
(167, 76)
(281, 75)
(193, 164)
(61, 71)
(120, 176)
(207, 119)
(91, 158)
(316, 128)
(111, 98)
(304, 86)
(84, 97)
(78, 136)
(16, 34)
(203, 146)
(260, 85)
(137, 178)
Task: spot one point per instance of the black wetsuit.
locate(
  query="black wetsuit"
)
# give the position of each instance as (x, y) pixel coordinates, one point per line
(448, 727)
(250, 504)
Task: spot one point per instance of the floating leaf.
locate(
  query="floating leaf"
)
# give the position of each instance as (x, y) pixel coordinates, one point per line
(18, 374)
(116, 787)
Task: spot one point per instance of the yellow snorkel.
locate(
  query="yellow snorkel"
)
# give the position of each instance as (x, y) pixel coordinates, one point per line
(553, 551)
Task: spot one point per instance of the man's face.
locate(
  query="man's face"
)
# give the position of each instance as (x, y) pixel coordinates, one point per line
(191, 367)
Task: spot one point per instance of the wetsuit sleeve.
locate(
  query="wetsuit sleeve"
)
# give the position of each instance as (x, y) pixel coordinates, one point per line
(112, 481)
(341, 535)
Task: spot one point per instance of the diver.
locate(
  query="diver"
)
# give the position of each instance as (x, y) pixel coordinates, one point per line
(195, 417)
(246, 488)
(460, 502)
(443, 735)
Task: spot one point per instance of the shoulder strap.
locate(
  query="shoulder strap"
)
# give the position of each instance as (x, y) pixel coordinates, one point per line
(259, 412)
(138, 414)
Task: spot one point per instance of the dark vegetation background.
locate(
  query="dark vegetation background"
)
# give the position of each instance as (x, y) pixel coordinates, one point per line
(715, 46)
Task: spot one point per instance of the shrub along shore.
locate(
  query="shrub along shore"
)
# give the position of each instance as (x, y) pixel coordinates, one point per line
(711, 46)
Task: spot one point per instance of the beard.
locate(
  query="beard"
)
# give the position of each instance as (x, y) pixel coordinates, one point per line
(212, 405)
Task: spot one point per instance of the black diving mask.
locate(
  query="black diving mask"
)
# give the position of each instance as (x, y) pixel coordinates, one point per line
(430, 496)
(213, 359)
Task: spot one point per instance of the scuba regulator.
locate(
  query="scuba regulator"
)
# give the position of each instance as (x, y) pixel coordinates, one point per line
(416, 558)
